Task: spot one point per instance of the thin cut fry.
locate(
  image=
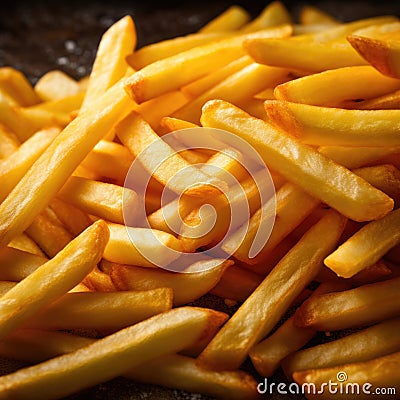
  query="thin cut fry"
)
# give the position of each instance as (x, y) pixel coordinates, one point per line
(53, 279)
(230, 20)
(263, 309)
(366, 247)
(163, 334)
(308, 170)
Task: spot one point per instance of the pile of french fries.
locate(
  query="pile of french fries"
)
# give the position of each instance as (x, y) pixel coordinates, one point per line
(319, 101)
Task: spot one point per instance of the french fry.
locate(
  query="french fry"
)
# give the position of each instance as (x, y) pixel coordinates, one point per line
(52, 279)
(8, 141)
(275, 13)
(204, 226)
(366, 247)
(175, 124)
(266, 305)
(103, 311)
(175, 71)
(137, 135)
(176, 371)
(110, 160)
(48, 232)
(365, 203)
(56, 85)
(345, 128)
(375, 341)
(292, 207)
(340, 85)
(380, 372)
(110, 66)
(169, 217)
(385, 102)
(356, 157)
(36, 188)
(153, 110)
(235, 88)
(355, 307)
(385, 177)
(17, 87)
(75, 220)
(16, 265)
(230, 20)
(160, 335)
(97, 198)
(187, 286)
(311, 15)
(236, 284)
(25, 243)
(267, 355)
(131, 246)
(198, 87)
(16, 165)
(66, 105)
(170, 47)
(379, 46)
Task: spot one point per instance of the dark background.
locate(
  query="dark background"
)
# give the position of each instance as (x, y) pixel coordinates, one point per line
(39, 36)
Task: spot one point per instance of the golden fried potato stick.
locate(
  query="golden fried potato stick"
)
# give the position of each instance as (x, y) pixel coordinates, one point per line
(53, 279)
(175, 371)
(379, 45)
(264, 308)
(366, 246)
(178, 70)
(275, 13)
(356, 157)
(58, 161)
(310, 15)
(293, 205)
(25, 243)
(56, 85)
(328, 126)
(104, 200)
(175, 124)
(186, 287)
(17, 87)
(99, 281)
(344, 191)
(267, 355)
(16, 264)
(385, 102)
(162, 246)
(48, 232)
(170, 47)
(74, 219)
(236, 284)
(231, 19)
(199, 86)
(15, 166)
(104, 311)
(106, 358)
(163, 162)
(351, 308)
(110, 65)
(8, 141)
(385, 177)
(110, 160)
(236, 88)
(333, 87)
(169, 217)
(376, 341)
(66, 105)
(382, 372)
